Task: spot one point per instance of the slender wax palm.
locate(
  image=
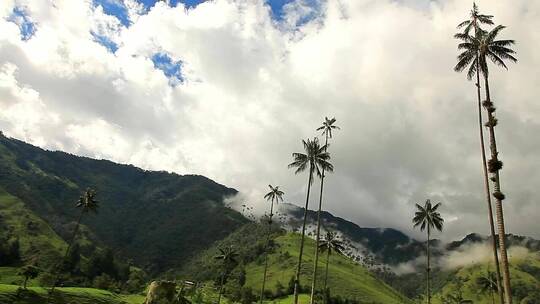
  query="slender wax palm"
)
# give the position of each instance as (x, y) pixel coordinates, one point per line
(227, 256)
(330, 244)
(273, 195)
(428, 217)
(87, 202)
(326, 128)
(315, 159)
(497, 51)
(476, 19)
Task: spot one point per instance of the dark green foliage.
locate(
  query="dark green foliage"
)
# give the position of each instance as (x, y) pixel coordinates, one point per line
(158, 219)
(9, 252)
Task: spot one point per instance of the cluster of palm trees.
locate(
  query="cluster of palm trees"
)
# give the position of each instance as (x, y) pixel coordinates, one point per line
(315, 159)
(480, 47)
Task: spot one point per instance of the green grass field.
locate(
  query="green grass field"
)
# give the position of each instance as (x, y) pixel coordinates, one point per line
(345, 277)
(68, 295)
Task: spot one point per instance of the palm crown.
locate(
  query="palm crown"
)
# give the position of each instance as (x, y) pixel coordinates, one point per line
(486, 47)
(428, 216)
(328, 126)
(331, 243)
(476, 18)
(87, 201)
(274, 194)
(227, 254)
(315, 157)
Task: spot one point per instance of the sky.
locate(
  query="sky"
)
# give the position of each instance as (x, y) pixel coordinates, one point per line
(229, 88)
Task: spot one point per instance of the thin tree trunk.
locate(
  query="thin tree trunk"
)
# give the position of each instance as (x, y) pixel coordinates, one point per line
(25, 281)
(486, 184)
(498, 198)
(266, 249)
(326, 271)
(428, 266)
(67, 250)
(297, 278)
(221, 287)
(317, 238)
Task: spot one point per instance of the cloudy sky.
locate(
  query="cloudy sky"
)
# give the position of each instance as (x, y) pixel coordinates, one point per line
(228, 88)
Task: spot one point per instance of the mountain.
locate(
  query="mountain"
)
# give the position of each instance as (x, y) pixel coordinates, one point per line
(387, 245)
(157, 219)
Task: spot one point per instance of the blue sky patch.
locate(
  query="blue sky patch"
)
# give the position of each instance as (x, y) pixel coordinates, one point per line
(148, 4)
(171, 69)
(114, 8)
(105, 41)
(278, 12)
(20, 17)
(277, 7)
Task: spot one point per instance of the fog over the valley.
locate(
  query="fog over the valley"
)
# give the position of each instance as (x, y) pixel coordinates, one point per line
(251, 85)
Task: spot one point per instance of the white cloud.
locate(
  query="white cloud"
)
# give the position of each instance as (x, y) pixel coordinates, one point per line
(253, 88)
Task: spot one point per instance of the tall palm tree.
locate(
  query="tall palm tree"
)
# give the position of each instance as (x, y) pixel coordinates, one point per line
(87, 203)
(273, 195)
(331, 243)
(428, 217)
(326, 128)
(497, 51)
(316, 159)
(477, 19)
(227, 256)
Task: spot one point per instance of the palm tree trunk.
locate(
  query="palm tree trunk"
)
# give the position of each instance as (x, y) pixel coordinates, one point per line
(498, 196)
(68, 249)
(428, 266)
(486, 184)
(317, 238)
(326, 271)
(299, 266)
(221, 287)
(266, 249)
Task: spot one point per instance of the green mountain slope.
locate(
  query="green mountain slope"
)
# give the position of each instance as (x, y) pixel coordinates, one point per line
(35, 237)
(525, 278)
(347, 279)
(157, 219)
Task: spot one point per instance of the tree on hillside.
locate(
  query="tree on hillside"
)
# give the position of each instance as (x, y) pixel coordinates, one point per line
(496, 51)
(326, 128)
(87, 203)
(274, 195)
(29, 271)
(488, 283)
(331, 243)
(227, 256)
(427, 217)
(315, 159)
(474, 23)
